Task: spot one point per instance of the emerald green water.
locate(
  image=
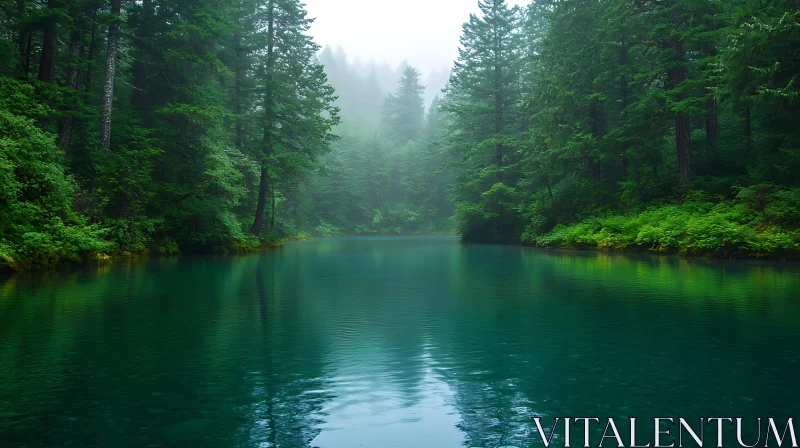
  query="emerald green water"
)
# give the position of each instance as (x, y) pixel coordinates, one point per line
(388, 342)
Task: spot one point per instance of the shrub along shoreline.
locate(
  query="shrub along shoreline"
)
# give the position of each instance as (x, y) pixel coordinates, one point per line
(48, 260)
(760, 223)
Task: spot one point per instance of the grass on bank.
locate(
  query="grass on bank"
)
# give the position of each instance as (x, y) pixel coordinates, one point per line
(57, 253)
(760, 222)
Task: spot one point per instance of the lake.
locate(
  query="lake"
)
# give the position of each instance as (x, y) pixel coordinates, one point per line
(389, 342)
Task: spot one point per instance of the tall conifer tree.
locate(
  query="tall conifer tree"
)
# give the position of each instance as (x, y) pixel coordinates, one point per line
(483, 99)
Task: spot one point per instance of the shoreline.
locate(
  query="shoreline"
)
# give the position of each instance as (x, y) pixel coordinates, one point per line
(10, 266)
(643, 251)
(573, 247)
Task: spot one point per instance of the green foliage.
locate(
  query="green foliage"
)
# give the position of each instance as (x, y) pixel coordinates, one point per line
(325, 229)
(181, 170)
(404, 111)
(731, 228)
(627, 110)
(379, 179)
(38, 222)
(367, 188)
(483, 131)
(666, 126)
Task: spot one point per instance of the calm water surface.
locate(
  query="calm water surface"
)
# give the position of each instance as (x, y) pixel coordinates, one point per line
(388, 342)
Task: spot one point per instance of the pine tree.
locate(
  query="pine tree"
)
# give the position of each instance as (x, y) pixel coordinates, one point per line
(483, 101)
(404, 110)
(555, 114)
(297, 101)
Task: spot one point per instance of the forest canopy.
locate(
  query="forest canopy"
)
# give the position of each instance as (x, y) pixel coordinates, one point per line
(210, 125)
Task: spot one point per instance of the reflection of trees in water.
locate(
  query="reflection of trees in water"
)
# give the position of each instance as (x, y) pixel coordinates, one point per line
(286, 374)
(245, 351)
(62, 365)
(557, 335)
(362, 304)
(477, 352)
(180, 353)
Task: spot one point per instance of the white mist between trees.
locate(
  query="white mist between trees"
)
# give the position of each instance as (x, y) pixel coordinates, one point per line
(383, 176)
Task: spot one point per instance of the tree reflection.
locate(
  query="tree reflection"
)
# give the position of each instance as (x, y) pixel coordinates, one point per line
(367, 341)
(287, 373)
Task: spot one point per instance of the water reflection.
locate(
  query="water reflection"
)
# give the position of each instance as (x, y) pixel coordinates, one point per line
(416, 342)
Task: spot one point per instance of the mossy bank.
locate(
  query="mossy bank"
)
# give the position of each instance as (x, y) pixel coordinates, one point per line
(757, 224)
(48, 260)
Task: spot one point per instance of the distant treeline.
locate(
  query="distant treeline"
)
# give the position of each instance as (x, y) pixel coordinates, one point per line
(385, 175)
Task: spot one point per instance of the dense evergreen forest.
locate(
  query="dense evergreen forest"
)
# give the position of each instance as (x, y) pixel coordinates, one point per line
(664, 125)
(211, 125)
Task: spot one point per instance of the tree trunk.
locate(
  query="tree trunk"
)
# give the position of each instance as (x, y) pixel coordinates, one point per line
(263, 187)
(498, 129)
(47, 61)
(712, 118)
(498, 101)
(239, 142)
(498, 119)
(139, 99)
(677, 75)
(748, 129)
(28, 49)
(76, 55)
(111, 71)
(549, 190)
(23, 56)
(623, 87)
(73, 81)
(22, 37)
(92, 46)
(684, 149)
(269, 125)
(712, 125)
(272, 217)
(598, 132)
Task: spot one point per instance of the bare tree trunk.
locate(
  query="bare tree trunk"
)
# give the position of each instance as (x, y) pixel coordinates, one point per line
(139, 99)
(498, 119)
(549, 190)
(748, 129)
(73, 81)
(623, 86)
(712, 118)
(47, 61)
(684, 149)
(596, 114)
(111, 71)
(272, 217)
(22, 37)
(238, 99)
(92, 46)
(263, 187)
(498, 102)
(677, 75)
(76, 54)
(28, 49)
(712, 124)
(268, 108)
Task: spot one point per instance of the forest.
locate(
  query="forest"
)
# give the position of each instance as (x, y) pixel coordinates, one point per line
(153, 126)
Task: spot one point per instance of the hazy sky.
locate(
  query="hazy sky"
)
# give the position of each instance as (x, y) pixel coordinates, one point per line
(425, 32)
